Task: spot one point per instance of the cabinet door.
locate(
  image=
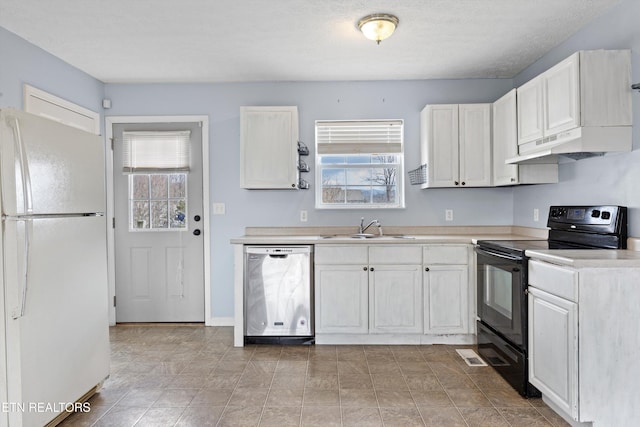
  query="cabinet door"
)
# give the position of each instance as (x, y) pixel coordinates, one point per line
(553, 352)
(439, 137)
(505, 140)
(446, 299)
(395, 299)
(562, 96)
(530, 117)
(475, 145)
(269, 147)
(341, 298)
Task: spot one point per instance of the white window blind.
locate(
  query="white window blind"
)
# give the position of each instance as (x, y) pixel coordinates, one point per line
(359, 136)
(157, 151)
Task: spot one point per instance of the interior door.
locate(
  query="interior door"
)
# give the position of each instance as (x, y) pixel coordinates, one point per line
(159, 251)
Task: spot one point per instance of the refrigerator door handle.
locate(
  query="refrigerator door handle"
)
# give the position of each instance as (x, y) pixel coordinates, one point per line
(24, 168)
(28, 225)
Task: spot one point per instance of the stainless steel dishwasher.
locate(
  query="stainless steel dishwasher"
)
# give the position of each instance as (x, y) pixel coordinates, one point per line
(278, 294)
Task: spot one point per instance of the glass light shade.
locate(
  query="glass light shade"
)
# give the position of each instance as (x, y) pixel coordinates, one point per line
(378, 27)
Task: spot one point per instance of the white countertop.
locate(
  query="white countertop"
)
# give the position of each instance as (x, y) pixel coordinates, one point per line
(393, 235)
(593, 258)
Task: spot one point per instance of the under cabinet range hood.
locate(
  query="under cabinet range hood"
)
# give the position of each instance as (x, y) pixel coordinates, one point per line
(578, 108)
(578, 143)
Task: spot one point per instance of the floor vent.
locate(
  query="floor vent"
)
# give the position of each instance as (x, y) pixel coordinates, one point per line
(471, 357)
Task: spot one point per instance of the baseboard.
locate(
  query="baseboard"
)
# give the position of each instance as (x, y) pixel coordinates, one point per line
(220, 321)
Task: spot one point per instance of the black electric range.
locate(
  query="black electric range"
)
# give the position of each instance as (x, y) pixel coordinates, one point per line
(502, 280)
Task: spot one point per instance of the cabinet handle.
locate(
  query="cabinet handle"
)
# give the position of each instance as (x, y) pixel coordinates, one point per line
(426, 269)
(371, 269)
(365, 268)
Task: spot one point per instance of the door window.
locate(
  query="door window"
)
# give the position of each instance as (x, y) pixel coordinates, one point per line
(157, 201)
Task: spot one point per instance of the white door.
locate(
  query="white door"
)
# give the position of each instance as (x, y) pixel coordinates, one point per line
(440, 125)
(530, 116)
(562, 96)
(159, 251)
(505, 139)
(341, 295)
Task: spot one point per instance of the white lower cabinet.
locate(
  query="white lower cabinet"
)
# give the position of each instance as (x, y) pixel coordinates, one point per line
(395, 299)
(553, 349)
(446, 297)
(341, 295)
(395, 291)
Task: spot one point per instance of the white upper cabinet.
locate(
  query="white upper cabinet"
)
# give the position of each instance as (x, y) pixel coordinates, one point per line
(269, 147)
(505, 146)
(589, 89)
(456, 145)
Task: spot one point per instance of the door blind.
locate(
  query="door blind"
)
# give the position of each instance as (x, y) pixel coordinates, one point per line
(159, 151)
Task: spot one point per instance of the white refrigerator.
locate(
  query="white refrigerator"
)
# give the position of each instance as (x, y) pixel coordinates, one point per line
(54, 346)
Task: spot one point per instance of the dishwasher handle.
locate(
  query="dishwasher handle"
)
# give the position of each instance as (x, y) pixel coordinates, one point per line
(278, 251)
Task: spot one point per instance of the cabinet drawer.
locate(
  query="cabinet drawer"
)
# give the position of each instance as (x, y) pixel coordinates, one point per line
(395, 254)
(559, 281)
(341, 254)
(446, 254)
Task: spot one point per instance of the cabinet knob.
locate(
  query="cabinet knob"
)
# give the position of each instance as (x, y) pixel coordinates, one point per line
(463, 183)
(426, 269)
(456, 183)
(365, 268)
(371, 269)
(513, 180)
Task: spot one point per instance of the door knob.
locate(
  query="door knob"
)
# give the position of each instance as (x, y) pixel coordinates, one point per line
(196, 232)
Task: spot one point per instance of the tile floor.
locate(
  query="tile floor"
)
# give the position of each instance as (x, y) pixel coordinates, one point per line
(191, 375)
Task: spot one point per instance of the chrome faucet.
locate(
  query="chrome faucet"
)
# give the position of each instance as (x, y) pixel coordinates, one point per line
(364, 228)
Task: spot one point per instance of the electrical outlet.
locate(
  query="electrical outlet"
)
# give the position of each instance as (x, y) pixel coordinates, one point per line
(219, 209)
(536, 214)
(448, 215)
(303, 216)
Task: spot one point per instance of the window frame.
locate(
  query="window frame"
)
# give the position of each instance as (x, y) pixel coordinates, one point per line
(391, 145)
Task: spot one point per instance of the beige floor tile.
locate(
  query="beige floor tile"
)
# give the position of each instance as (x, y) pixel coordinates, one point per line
(140, 397)
(506, 398)
(389, 382)
(281, 416)
(172, 398)
(424, 381)
(412, 368)
(456, 382)
(464, 398)
(240, 416)
(322, 381)
(431, 399)
(318, 397)
(248, 397)
(286, 380)
(381, 367)
(322, 367)
(211, 397)
(155, 417)
(121, 416)
(401, 417)
(483, 417)
(200, 416)
(284, 397)
(298, 367)
(353, 367)
(524, 417)
(441, 417)
(361, 417)
(321, 416)
(358, 397)
(395, 399)
(222, 381)
(355, 381)
(555, 419)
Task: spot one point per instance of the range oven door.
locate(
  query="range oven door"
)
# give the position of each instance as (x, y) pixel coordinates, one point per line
(501, 294)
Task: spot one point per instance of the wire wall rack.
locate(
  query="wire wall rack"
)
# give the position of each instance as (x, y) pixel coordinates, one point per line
(419, 175)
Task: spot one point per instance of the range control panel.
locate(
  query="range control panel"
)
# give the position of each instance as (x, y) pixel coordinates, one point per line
(583, 214)
(603, 218)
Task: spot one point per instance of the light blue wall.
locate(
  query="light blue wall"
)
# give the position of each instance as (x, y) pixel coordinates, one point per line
(325, 100)
(22, 62)
(614, 178)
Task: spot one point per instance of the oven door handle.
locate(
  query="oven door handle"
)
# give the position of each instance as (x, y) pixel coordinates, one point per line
(498, 255)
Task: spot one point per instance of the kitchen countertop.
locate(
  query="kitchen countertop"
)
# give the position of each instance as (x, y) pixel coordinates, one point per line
(595, 258)
(392, 235)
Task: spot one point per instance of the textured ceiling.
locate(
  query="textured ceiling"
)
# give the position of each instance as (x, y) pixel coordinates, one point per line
(295, 40)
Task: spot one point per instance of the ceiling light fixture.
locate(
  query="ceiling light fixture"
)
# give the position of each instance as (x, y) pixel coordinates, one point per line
(378, 26)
